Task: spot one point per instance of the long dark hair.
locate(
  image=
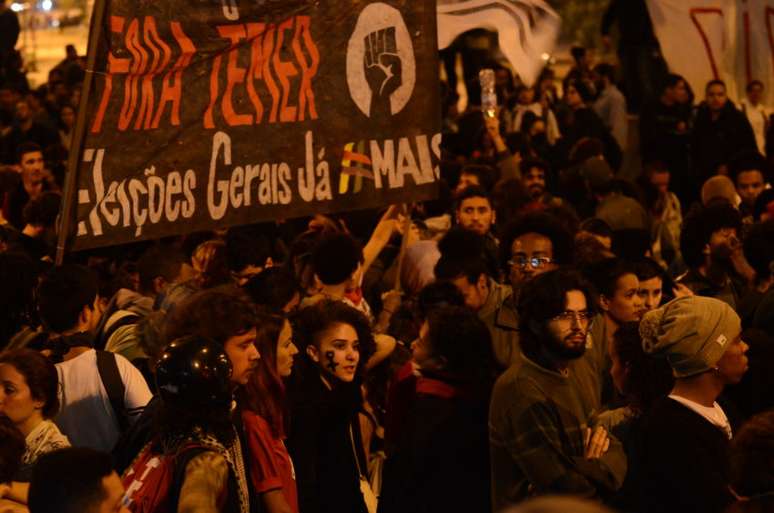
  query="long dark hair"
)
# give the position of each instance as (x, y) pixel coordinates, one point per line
(40, 375)
(463, 342)
(648, 378)
(314, 320)
(265, 392)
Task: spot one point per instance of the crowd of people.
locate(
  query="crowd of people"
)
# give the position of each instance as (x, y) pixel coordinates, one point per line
(543, 328)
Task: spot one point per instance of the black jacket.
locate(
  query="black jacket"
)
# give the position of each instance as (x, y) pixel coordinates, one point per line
(684, 459)
(323, 425)
(714, 142)
(660, 138)
(443, 447)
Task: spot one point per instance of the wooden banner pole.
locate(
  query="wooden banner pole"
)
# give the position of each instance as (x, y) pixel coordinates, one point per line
(70, 200)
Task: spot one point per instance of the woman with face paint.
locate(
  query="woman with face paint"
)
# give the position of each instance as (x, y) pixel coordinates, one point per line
(324, 439)
(265, 416)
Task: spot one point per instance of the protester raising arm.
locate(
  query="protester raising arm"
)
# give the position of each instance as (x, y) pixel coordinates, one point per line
(390, 223)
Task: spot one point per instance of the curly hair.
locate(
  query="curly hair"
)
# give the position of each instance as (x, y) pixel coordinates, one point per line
(700, 224)
(218, 314)
(313, 321)
(542, 224)
(542, 298)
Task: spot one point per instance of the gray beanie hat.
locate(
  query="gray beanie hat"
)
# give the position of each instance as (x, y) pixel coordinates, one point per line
(691, 332)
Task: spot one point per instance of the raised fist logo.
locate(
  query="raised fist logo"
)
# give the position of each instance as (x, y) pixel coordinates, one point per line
(381, 68)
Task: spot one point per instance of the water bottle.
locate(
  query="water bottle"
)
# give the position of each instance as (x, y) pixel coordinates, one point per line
(486, 77)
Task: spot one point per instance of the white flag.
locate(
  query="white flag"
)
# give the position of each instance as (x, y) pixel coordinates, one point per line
(526, 29)
(732, 40)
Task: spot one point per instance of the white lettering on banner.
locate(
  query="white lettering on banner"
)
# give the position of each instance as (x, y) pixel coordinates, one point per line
(151, 197)
(386, 164)
(134, 202)
(314, 182)
(230, 10)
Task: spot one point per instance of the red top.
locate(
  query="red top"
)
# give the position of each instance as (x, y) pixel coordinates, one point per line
(270, 464)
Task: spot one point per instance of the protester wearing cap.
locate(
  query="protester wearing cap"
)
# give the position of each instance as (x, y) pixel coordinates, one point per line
(687, 434)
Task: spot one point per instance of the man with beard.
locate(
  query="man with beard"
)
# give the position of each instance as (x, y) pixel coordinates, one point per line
(474, 210)
(534, 174)
(543, 437)
(474, 213)
(709, 243)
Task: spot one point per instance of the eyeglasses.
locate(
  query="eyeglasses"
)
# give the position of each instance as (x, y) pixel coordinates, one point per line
(582, 317)
(534, 262)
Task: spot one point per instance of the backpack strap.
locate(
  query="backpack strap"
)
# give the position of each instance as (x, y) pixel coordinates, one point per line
(114, 385)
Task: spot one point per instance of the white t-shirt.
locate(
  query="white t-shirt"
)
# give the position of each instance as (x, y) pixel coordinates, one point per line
(715, 415)
(85, 414)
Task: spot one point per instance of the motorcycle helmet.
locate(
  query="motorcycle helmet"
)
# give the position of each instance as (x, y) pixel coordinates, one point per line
(194, 372)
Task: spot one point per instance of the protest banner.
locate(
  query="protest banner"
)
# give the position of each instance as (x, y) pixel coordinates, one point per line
(212, 113)
(730, 40)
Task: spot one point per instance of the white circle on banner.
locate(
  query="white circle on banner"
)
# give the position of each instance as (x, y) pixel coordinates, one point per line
(375, 18)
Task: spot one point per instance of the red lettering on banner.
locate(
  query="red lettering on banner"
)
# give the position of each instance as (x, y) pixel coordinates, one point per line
(288, 83)
(115, 66)
(694, 18)
(255, 33)
(234, 75)
(308, 69)
(172, 85)
(139, 61)
(162, 54)
(209, 115)
(150, 57)
(285, 70)
(266, 50)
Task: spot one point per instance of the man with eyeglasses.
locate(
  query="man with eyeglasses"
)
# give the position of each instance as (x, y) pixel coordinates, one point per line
(544, 438)
(534, 244)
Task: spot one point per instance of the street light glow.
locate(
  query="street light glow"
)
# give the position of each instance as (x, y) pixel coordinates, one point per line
(46, 5)
(16, 7)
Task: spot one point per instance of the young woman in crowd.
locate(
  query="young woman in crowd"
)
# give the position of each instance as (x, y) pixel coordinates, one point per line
(640, 380)
(28, 396)
(265, 416)
(326, 400)
(443, 444)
